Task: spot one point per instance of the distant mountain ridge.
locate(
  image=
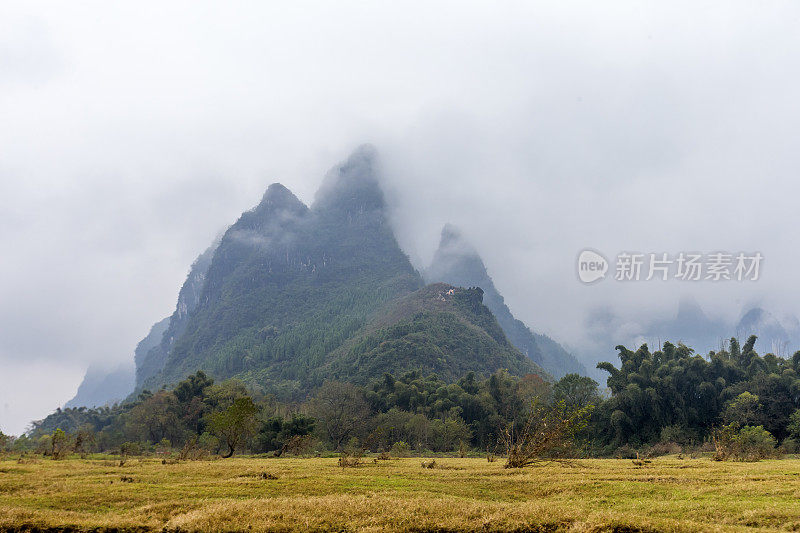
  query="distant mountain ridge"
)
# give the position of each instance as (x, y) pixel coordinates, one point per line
(102, 386)
(691, 326)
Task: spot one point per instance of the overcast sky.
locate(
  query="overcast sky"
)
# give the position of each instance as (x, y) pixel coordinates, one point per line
(132, 133)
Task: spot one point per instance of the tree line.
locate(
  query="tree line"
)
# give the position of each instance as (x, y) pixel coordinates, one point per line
(668, 396)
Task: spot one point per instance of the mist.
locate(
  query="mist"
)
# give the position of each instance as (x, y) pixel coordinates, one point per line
(131, 135)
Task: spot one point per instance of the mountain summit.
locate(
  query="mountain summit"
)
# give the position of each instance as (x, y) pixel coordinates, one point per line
(352, 186)
(288, 284)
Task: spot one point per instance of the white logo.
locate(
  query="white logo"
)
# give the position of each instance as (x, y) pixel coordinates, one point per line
(591, 266)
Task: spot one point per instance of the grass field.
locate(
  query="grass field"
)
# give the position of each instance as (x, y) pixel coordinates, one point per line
(243, 494)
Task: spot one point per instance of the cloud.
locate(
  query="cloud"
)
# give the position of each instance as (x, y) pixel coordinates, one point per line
(28, 56)
(133, 133)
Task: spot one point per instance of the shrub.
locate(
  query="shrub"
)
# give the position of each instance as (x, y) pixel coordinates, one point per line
(27, 458)
(626, 452)
(756, 443)
(299, 444)
(130, 448)
(664, 448)
(60, 444)
(84, 440)
(790, 445)
(192, 451)
(349, 461)
(750, 443)
(127, 449)
(401, 449)
(165, 446)
(352, 454)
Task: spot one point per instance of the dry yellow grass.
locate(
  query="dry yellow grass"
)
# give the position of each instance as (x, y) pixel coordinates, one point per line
(399, 495)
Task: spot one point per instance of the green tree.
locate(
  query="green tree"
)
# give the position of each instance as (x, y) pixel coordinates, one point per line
(794, 424)
(742, 410)
(84, 440)
(155, 419)
(193, 386)
(576, 391)
(277, 432)
(749, 443)
(236, 424)
(447, 434)
(60, 444)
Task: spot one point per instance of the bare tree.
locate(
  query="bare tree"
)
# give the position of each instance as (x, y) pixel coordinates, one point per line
(340, 410)
(549, 434)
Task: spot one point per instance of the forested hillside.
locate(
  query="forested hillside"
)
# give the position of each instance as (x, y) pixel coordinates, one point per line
(439, 329)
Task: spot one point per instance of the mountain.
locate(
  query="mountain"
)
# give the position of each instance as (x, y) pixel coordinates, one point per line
(291, 295)
(688, 325)
(101, 386)
(147, 363)
(288, 285)
(692, 327)
(456, 262)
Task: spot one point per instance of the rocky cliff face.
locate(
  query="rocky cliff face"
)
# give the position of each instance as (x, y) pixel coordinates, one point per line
(151, 353)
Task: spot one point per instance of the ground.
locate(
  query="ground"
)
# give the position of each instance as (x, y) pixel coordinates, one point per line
(257, 494)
